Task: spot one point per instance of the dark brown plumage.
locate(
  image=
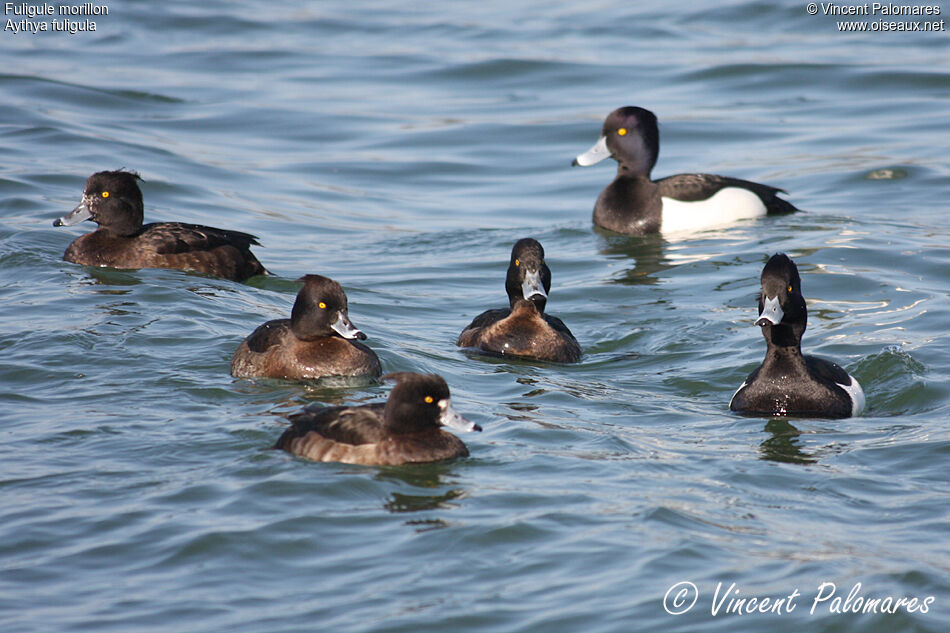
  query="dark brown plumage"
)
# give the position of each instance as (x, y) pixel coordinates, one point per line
(113, 200)
(405, 429)
(315, 342)
(524, 330)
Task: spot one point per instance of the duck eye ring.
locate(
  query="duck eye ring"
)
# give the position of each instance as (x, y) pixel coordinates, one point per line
(105, 194)
(429, 399)
(622, 131)
(517, 262)
(322, 305)
(789, 288)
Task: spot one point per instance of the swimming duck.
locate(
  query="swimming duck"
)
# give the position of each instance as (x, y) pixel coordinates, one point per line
(636, 205)
(317, 340)
(524, 329)
(405, 429)
(787, 382)
(113, 200)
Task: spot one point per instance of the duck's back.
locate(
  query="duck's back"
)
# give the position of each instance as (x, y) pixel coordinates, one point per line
(177, 245)
(700, 187)
(347, 425)
(272, 351)
(259, 355)
(356, 435)
(469, 335)
(522, 333)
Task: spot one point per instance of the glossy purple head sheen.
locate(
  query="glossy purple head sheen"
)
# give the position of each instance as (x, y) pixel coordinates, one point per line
(422, 402)
(113, 200)
(631, 137)
(321, 310)
(528, 276)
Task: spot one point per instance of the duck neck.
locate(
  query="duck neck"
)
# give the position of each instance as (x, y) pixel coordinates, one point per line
(402, 418)
(127, 223)
(637, 170)
(784, 346)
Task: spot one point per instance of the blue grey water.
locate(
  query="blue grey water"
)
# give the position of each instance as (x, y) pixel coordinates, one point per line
(401, 148)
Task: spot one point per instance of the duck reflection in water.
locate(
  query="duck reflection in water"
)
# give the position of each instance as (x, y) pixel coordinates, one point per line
(433, 476)
(646, 252)
(782, 445)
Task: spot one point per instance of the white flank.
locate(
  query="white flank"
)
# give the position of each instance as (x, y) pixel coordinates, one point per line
(725, 207)
(741, 387)
(856, 393)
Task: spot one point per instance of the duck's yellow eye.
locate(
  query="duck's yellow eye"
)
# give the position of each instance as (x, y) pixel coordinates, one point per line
(429, 399)
(622, 131)
(322, 305)
(789, 288)
(517, 262)
(105, 194)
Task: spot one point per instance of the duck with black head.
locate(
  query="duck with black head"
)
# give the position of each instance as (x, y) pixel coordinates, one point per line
(788, 382)
(634, 204)
(317, 341)
(113, 200)
(524, 329)
(406, 429)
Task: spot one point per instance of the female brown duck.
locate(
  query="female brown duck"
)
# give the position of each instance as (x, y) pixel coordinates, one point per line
(524, 329)
(113, 200)
(315, 342)
(405, 429)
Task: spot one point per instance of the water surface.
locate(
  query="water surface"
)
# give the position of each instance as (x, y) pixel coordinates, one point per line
(402, 151)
